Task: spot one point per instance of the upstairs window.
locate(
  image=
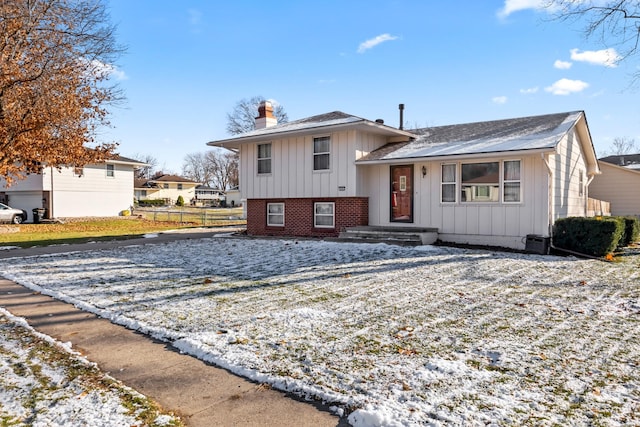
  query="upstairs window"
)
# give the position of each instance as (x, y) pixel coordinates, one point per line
(511, 181)
(321, 151)
(179, 186)
(111, 171)
(264, 158)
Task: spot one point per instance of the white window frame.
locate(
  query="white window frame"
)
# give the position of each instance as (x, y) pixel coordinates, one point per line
(110, 170)
(323, 215)
(454, 182)
(264, 160)
(581, 183)
(511, 181)
(322, 153)
(270, 214)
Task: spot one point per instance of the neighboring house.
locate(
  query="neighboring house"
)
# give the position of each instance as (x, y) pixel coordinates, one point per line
(490, 183)
(103, 189)
(618, 185)
(233, 197)
(165, 187)
(207, 196)
(630, 161)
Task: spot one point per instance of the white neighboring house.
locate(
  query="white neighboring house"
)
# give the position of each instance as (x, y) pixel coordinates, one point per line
(166, 187)
(95, 190)
(618, 185)
(488, 183)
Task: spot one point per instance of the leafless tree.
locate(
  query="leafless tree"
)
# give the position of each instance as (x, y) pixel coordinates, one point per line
(145, 172)
(216, 168)
(243, 117)
(616, 23)
(622, 145)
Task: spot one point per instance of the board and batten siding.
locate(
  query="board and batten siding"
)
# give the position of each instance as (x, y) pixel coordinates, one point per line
(618, 186)
(488, 223)
(567, 164)
(292, 174)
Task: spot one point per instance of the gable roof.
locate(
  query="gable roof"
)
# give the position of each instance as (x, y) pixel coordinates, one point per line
(171, 178)
(314, 124)
(510, 135)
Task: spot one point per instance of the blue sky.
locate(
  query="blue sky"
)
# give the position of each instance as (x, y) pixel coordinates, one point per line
(189, 62)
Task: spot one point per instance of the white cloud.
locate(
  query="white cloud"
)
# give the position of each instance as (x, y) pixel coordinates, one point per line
(607, 57)
(366, 45)
(102, 70)
(499, 100)
(562, 65)
(566, 87)
(529, 91)
(511, 6)
(195, 16)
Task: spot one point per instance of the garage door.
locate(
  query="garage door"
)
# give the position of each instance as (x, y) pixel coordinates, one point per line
(27, 200)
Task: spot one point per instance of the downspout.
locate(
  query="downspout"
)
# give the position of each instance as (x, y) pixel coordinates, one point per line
(550, 196)
(51, 196)
(586, 193)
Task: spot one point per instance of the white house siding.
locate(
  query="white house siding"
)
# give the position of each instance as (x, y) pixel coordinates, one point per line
(619, 186)
(494, 224)
(566, 165)
(292, 174)
(99, 195)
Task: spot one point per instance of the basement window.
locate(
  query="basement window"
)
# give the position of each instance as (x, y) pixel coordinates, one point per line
(324, 215)
(275, 214)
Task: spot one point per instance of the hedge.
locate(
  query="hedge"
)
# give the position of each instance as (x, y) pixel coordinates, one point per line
(597, 236)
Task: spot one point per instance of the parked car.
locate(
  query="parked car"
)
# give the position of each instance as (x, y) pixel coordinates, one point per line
(9, 214)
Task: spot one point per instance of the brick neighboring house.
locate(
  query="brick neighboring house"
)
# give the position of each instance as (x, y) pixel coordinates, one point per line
(490, 183)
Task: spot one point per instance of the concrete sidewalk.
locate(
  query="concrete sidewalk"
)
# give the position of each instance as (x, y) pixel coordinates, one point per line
(203, 395)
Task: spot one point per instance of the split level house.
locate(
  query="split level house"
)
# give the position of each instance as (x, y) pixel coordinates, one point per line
(489, 183)
(165, 187)
(97, 190)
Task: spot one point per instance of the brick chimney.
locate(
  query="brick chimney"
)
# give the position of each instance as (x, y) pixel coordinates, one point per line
(265, 117)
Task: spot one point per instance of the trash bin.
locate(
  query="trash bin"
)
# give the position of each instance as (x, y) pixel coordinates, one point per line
(38, 215)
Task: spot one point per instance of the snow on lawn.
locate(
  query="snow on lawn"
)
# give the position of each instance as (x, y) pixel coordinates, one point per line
(389, 335)
(44, 383)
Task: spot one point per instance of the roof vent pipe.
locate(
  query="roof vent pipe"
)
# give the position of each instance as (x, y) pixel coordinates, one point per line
(401, 107)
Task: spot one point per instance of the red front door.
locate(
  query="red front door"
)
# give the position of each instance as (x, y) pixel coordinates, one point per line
(402, 193)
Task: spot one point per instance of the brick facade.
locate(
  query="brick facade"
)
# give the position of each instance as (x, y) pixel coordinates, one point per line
(298, 216)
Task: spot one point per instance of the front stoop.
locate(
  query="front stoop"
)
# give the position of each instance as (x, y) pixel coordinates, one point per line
(406, 236)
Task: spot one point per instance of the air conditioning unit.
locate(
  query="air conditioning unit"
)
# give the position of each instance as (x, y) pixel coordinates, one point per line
(537, 244)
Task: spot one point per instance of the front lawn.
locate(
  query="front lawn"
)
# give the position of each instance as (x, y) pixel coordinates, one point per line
(388, 335)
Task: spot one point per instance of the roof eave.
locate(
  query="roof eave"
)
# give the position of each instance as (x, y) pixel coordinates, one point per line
(449, 157)
(234, 143)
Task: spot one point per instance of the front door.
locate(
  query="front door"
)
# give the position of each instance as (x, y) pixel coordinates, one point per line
(402, 193)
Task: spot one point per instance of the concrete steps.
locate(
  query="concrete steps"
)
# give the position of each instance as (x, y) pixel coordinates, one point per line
(406, 236)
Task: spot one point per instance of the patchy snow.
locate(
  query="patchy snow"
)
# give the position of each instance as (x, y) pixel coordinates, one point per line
(387, 335)
(45, 383)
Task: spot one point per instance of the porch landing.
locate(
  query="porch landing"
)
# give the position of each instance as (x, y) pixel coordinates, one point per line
(399, 235)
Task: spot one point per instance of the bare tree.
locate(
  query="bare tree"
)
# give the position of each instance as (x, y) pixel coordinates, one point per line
(196, 167)
(214, 168)
(145, 172)
(56, 61)
(243, 117)
(622, 145)
(616, 23)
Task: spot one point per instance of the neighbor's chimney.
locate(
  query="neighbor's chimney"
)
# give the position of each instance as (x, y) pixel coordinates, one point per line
(265, 116)
(401, 107)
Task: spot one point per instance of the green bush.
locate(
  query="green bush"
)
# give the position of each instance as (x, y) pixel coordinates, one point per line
(631, 231)
(180, 201)
(590, 236)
